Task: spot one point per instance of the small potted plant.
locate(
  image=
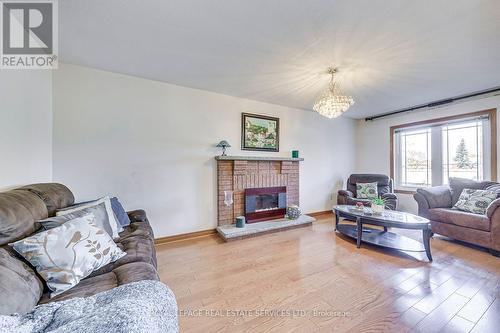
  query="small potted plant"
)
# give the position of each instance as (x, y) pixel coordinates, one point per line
(378, 205)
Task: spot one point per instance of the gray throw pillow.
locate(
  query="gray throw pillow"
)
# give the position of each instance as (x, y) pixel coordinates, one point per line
(55, 221)
(475, 201)
(101, 209)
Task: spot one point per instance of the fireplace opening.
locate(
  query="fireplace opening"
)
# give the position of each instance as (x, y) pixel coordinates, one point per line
(265, 203)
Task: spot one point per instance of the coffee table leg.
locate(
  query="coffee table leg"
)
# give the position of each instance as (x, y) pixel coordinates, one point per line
(336, 219)
(360, 231)
(427, 234)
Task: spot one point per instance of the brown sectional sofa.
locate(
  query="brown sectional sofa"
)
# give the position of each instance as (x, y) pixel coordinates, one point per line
(21, 208)
(435, 203)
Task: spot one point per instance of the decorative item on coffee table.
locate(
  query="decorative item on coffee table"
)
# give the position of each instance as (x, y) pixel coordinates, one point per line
(293, 212)
(359, 206)
(378, 206)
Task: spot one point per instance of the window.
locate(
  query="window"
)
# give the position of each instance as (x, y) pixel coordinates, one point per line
(428, 153)
(463, 150)
(415, 157)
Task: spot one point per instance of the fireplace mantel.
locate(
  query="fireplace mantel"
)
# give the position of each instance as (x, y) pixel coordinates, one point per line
(257, 158)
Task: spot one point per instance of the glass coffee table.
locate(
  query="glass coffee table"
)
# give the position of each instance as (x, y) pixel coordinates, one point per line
(387, 219)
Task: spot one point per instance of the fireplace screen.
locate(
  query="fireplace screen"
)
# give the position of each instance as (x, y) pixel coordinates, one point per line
(265, 203)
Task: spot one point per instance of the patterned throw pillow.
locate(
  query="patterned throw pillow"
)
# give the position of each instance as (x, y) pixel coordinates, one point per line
(366, 190)
(475, 201)
(66, 254)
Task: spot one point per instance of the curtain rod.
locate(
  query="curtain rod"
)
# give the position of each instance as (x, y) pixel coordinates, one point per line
(436, 103)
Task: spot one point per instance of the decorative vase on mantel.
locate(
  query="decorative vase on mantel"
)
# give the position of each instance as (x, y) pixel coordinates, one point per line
(293, 212)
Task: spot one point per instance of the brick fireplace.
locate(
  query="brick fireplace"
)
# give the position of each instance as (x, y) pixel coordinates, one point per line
(238, 174)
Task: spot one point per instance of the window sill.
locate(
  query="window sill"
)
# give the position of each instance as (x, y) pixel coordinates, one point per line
(406, 191)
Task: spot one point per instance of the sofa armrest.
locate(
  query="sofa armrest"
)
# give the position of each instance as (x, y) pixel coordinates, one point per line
(138, 215)
(391, 201)
(346, 193)
(492, 207)
(437, 196)
(423, 205)
(493, 213)
(342, 197)
(386, 196)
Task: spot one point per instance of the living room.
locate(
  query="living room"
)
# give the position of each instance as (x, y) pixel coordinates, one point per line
(260, 166)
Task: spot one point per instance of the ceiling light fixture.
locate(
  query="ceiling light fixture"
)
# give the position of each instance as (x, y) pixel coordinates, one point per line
(332, 102)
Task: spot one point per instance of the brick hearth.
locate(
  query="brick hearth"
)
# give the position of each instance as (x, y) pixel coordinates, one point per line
(237, 174)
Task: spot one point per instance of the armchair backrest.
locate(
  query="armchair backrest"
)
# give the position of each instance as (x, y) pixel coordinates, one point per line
(384, 183)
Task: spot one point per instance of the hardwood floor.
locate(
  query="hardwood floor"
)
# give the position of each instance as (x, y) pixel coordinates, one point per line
(321, 283)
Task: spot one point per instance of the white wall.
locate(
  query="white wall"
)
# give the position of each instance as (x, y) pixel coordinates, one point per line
(25, 127)
(152, 144)
(374, 145)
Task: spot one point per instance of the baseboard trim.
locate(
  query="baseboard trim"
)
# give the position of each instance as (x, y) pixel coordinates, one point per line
(182, 237)
(324, 212)
(203, 233)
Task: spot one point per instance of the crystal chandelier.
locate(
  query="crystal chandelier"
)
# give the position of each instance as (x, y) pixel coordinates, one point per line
(332, 102)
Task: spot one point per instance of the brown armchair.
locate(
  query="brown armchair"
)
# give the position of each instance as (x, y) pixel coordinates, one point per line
(435, 203)
(384, 187)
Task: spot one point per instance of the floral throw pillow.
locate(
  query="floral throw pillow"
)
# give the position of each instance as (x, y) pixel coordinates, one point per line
(366, 190)
(475, 201)
(66, 254)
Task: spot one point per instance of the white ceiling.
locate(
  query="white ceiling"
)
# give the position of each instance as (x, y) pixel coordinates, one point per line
(391, 53)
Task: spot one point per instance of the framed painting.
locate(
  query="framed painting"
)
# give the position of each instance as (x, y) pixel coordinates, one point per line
(258, 132)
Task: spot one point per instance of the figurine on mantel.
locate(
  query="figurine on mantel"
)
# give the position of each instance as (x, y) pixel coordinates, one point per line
(223, 144)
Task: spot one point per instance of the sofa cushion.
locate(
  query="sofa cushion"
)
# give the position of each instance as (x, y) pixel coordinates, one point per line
(18, 212)
(142, 229)
(132, 272)
(55, 196)
(473, 236)
(20, 288)
(138, 242)
(463, 219)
